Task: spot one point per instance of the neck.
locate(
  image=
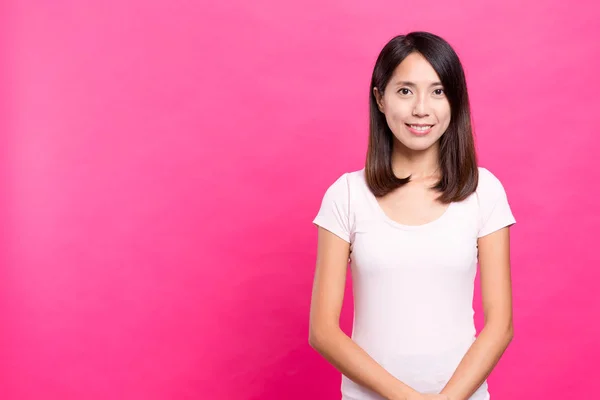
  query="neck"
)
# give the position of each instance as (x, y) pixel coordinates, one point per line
(418, 164)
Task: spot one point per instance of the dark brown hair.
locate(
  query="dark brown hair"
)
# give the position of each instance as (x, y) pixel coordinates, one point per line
(458, 160)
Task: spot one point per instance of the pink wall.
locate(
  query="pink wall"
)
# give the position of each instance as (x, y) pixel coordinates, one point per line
(166, 159)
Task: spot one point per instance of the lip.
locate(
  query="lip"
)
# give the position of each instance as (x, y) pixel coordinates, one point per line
(419, 133)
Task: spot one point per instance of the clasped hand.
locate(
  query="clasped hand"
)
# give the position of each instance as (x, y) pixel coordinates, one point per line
(427, 396)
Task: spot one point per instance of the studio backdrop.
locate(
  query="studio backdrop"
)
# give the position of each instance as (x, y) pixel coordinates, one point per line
(162, 162)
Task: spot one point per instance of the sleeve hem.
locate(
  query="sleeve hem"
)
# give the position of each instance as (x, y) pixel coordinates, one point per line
(495, 228)
(339, 233)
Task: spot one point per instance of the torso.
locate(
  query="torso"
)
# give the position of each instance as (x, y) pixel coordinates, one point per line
(413, 265)
(413, 204)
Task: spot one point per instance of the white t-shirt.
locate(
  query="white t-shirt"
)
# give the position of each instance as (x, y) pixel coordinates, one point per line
(413, 285)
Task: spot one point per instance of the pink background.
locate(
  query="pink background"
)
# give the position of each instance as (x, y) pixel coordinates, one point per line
(162, 163)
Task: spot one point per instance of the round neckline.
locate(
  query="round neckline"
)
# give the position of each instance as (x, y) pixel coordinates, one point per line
(383, 215)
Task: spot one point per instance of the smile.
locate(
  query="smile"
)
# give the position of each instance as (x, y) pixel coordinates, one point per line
(419, 129)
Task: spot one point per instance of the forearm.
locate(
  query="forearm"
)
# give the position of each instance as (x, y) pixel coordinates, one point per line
(478, 363)
(356, 364)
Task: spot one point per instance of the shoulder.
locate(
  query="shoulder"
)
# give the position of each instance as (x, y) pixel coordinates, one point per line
(490, 189)
(494, 208)
(345, 191)
(487, 177)
(489, 184)
(355, 178)
(346, 182)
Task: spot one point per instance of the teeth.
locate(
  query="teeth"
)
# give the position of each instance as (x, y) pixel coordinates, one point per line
(421, 128)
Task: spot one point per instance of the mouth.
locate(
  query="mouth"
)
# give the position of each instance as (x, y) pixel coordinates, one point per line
(419, 129)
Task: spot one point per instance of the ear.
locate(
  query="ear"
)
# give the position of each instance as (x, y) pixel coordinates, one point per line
(378, 99)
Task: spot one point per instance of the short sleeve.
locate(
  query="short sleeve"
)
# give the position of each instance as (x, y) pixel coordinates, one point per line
(495, 211)
(333, 214)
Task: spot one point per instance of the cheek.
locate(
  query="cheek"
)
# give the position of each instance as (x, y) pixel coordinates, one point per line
(398, 114)
(398, 118)
(443, 115)
(445, 111)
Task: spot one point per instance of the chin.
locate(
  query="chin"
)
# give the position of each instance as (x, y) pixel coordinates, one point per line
(417, 145)
(421, 148)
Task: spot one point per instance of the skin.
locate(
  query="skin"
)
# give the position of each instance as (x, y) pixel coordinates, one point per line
(422, 101)
(413, 204)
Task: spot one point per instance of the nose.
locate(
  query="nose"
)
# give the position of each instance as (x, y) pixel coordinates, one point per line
(420, 107)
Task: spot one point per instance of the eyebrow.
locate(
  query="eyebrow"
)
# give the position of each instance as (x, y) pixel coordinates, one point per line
(407, 83)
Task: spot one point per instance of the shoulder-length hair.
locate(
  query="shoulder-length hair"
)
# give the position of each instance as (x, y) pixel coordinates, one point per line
(457, 157)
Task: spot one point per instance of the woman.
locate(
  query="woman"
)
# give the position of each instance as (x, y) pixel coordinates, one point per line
(414, 223)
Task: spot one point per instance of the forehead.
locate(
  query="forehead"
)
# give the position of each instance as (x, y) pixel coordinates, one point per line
(415, 68)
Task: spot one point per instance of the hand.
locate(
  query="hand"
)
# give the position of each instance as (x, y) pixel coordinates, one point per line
(429, 396)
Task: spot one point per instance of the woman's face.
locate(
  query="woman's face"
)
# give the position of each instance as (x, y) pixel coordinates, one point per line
(415, 95)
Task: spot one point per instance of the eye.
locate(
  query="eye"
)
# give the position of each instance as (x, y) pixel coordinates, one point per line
(441, 92)
(403, 91)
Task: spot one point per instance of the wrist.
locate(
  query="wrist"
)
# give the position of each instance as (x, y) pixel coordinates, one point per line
(403, 393)
(408, 395)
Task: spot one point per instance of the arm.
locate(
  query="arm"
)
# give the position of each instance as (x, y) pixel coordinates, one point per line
(485, 352)
(325, 335)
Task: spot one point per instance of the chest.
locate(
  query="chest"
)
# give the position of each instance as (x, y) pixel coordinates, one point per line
(412, 205)
(443, 243)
